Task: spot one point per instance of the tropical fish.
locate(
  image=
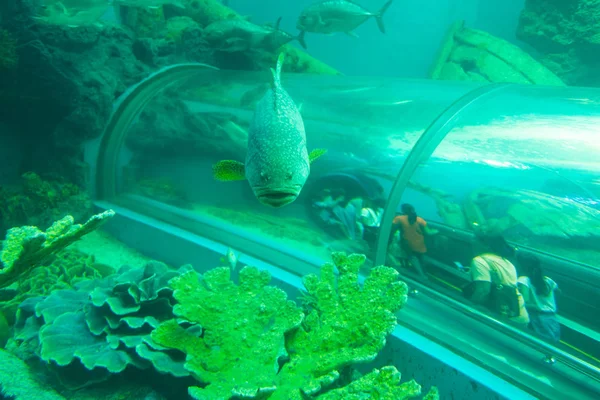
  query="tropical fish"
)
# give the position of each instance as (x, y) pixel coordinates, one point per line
(277, 161)
(278, 38)
(338, 16)
(231, 35)
(148, 3)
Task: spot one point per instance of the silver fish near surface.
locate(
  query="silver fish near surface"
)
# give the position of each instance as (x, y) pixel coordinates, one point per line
(277, 161)
(333, 16)
(279, 37)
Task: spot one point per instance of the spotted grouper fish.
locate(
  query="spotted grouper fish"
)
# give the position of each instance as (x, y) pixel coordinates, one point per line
(333, 16)
(277, 161)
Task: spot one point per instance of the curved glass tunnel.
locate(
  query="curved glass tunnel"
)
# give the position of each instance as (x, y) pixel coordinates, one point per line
(518, 160)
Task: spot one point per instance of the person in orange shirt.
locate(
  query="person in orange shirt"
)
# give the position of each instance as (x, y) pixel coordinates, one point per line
(412, 233)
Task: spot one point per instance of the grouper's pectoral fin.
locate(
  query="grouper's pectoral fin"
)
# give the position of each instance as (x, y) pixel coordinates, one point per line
(316, 153)
(229, 170)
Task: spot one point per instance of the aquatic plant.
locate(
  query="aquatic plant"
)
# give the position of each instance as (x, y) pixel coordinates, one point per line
(104, 324)
(8, 50)
(256, 343)
(27, 246)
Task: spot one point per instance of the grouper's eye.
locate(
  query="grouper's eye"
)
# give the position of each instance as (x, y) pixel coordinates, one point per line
(289, 176)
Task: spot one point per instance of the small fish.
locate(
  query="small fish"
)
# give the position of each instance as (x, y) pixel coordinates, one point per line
(338, 16)
(148, 3)
(277, 161)
(278, 38)
(232, 258)
(233, 35)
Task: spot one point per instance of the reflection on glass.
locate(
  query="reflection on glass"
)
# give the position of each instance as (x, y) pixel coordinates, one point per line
(520, 167)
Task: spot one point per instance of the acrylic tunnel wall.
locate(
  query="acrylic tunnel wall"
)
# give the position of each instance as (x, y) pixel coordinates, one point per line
(517, 160)
(166, 133)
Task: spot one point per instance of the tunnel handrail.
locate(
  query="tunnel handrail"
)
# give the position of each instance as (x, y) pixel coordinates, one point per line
(588, 369)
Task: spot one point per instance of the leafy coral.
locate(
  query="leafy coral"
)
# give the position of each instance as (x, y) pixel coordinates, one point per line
(264, 346)
(105, 324)
(66, 269)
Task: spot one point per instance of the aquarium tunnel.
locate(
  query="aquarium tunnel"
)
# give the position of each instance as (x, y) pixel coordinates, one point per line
(518, 160)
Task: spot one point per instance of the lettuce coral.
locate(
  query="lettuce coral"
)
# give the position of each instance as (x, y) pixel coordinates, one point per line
(105, 324)
(257, 344)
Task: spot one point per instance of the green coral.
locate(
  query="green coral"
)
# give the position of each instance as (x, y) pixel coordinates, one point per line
(264, 346)
(27, 246)
(383, 384)
(345, 323)
(239, 351)
(66, 269)
(105, 324)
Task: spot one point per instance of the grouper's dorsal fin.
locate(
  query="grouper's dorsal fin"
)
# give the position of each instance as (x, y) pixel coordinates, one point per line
(277, 78)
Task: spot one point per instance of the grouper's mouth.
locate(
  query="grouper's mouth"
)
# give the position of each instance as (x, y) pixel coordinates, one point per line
(277, 198)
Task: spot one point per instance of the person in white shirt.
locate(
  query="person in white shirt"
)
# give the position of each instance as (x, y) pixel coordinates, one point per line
(538, 291)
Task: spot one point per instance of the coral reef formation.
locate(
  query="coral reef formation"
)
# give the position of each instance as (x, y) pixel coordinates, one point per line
(567, 34)
(474, 55)
(104, 324)
(67, 268)
(40, 201)
(27, 246)
(268, 347)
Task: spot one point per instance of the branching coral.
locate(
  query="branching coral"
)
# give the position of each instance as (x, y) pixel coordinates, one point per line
(27, 246)
(239, 351)
(257, 344)
(8, 50)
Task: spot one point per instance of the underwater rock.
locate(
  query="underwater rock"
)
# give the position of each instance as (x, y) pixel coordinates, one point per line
(167, 123)
(567, 34)
(474, 55)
